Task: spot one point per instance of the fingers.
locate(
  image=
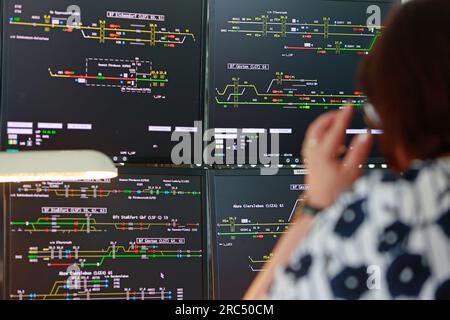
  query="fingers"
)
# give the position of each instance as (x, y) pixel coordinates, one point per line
(335, 137)
(317, 129)
(320, 125)
(358, 154)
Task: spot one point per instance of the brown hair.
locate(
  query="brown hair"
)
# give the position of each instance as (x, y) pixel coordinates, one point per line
(407, 78)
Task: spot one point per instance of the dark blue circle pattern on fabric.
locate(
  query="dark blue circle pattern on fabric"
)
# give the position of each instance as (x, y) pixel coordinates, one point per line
(351, 219)
(444, 223)
(406, 275)
(350, 283)
(393, 236)
(411, 175)
(443, 291)
(388, 177)
(301, 268)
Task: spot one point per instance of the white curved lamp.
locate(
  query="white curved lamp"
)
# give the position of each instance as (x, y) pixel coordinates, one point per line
(55, 166)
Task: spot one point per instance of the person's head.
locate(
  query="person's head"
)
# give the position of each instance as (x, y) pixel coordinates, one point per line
(407, 78)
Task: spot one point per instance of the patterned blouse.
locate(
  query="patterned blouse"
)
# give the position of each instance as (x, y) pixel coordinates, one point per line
(387, 238)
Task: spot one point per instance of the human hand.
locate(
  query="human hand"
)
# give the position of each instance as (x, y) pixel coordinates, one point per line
(328, 175)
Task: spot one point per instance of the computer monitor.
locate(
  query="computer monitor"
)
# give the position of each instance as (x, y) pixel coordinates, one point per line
(138, 237)
(249, 214)
(278, 65)
(111, 75)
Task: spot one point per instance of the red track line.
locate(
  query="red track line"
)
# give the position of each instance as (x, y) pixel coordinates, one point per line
(96, 77)
(302, 48)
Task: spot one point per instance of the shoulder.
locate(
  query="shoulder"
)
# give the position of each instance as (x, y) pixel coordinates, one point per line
(383, 195)
(381, 221)
(383, 200)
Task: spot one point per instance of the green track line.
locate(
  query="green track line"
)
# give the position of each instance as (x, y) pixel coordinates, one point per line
(136, 256)
(300, 104)
(356, 49)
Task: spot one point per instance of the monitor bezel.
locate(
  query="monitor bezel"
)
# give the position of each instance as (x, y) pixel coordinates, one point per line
(129, 170)
(147, 160)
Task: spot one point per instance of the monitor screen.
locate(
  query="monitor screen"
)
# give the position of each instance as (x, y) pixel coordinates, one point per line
(110, 75)
(124, 239)
(250, 213)
(277, 65)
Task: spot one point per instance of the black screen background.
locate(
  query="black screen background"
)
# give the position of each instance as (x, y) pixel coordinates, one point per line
(232, 273)
(38, 278)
